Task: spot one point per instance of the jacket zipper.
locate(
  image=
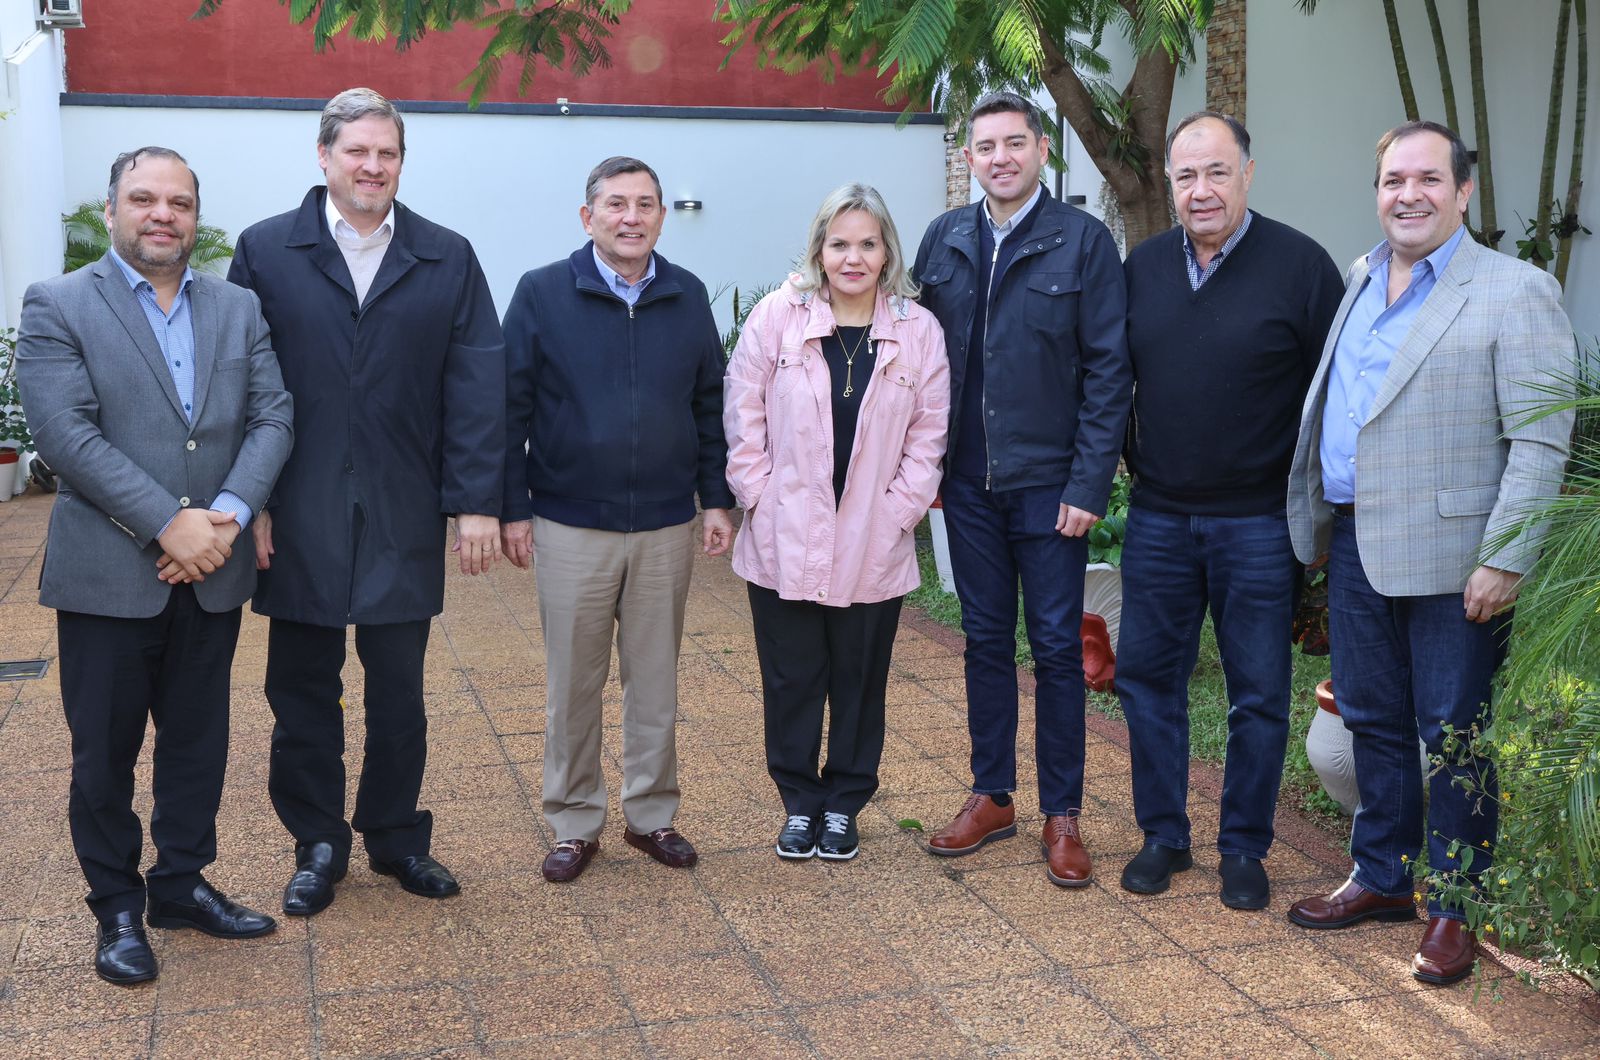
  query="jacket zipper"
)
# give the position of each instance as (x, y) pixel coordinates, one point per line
(633, 402)
(983, 398)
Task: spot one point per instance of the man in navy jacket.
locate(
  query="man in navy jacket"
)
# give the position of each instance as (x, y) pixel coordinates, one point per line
(1032, 299)
(614, 409)
(388, 340)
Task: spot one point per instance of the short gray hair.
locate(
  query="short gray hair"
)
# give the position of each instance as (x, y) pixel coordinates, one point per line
(353, 104)
(129, 159)
(615, 166)
(1240, 135)
(894, 278)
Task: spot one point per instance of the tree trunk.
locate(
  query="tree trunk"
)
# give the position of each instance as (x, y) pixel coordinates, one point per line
(1552, 132)
(1451, 117)
(1408, 97)
(1490, 231)
(1569, 222)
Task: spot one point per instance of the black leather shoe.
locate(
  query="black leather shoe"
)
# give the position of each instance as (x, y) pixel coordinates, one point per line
(1150, 871)
(419, 875)
(122, 954)
(1244, 882)
(838, 840)
(213, 912)
(310, 889)
(798, 840)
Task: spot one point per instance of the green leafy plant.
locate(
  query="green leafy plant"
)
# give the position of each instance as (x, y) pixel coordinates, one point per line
(88, 241)
(1106, 536)
(13, 424)
(742, 305)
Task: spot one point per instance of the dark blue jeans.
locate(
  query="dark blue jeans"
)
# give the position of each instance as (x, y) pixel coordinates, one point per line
(995, 539)
(1404, 665)
(1173, 566)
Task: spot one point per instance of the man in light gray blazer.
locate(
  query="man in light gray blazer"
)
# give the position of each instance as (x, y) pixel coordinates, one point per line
(155, 395)
(1416, 462)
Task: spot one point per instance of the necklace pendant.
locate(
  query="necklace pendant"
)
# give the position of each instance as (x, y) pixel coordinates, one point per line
(848, 390)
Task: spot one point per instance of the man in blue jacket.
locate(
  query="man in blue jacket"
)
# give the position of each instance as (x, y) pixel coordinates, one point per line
(388, 340)
(614, 409)
(1032, 299)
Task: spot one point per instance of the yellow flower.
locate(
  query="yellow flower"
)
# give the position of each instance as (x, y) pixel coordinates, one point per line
(1484, 844)
(1488, 929)
(1416, 896)
(1404, 859)
(1502, 881)
(1449, 853)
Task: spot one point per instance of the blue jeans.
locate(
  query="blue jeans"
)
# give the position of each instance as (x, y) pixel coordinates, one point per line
(1173, 566)
(995, 538)
(1405, 665)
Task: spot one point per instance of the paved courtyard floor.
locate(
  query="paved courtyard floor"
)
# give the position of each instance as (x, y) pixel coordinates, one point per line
(895, 954)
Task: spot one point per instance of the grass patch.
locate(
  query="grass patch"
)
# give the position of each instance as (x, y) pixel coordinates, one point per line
(1208, 695)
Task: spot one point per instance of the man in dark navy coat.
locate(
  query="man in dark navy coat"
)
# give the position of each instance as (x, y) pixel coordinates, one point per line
(389, 341)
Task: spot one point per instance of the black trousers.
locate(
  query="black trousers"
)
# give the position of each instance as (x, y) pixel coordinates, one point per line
(115, 674)
(306, 778)
(811, 654)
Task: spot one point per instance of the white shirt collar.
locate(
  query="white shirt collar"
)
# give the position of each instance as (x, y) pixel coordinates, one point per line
(335, 219)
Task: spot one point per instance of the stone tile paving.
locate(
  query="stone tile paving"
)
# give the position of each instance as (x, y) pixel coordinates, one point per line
(894, 954)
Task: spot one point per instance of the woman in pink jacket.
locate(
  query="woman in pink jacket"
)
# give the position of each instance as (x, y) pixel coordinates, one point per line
(836, 406)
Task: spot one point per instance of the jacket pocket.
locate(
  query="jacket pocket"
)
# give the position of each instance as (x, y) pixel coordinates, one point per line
(901, 382)
(1050, 303)
(790, 370)
(1468, 500)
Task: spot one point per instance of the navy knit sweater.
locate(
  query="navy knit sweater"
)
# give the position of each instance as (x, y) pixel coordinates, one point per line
(1220, 374)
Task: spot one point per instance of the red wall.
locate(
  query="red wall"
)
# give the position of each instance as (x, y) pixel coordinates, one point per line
(664, 53)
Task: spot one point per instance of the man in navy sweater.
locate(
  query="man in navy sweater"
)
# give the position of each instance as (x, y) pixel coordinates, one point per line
(1226, 319)
(614, 413)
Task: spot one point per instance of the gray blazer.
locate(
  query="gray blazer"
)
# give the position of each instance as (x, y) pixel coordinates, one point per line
(1446, 464)
(105, 415)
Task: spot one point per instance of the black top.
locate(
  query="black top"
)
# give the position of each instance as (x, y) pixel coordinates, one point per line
(847, 407)
(1220, 374)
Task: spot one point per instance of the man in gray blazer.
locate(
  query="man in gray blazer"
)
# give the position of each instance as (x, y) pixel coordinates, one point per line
(155, 395)
(1414, 466)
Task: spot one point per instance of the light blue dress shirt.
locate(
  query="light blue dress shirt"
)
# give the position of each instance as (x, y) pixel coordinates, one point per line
(174, 333)
(628, 292)
(1373, 331)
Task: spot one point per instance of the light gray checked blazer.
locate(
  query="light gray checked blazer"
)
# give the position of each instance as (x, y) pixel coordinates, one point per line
(105, 415)
(1445, 463)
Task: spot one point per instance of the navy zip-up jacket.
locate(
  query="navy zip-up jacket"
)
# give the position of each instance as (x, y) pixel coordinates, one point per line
(1057, 379)
(614, 413)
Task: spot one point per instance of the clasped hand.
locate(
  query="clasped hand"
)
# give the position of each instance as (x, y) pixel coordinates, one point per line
(197, 542)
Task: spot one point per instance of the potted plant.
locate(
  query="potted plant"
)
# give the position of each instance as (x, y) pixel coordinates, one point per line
(1102, 579)
(14, 436)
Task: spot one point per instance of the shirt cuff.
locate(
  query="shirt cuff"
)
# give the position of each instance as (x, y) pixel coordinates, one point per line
(228, 501)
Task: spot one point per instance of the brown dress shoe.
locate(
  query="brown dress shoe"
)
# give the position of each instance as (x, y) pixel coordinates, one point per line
(665, 845)
(1066, 861)
(568, 859)
(1447, 953)
(980, 821)
(1350, 904)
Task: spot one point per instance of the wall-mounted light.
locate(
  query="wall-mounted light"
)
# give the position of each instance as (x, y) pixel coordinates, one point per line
(688, 204)
(1077, 200)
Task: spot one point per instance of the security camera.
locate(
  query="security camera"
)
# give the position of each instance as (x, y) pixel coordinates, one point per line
(561, 102)
(565, 109)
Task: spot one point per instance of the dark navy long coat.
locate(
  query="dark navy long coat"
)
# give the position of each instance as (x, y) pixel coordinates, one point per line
(399, 414)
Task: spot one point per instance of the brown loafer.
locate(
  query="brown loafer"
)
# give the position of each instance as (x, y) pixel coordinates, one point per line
(1447, 953)
(1350, 904)
(1066, 860)
(665, 845)
(980, 821)
(567, 860)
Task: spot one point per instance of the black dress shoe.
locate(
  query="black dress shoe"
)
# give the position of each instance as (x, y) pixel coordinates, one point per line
(1244, 882)
(798, 840)
(208, 909)
(310, 889)
(1150, 871)
(419, 875)
(122, 954)
(838, 840)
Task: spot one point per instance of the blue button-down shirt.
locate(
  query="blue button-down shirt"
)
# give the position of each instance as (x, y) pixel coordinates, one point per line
(1198, 275)
(1373, 331)
(628, 292)
(174, 333)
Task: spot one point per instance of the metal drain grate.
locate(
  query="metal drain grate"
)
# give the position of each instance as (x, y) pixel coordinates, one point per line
(23, 669)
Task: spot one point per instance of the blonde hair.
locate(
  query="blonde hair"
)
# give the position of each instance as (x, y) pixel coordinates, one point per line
(894, 279)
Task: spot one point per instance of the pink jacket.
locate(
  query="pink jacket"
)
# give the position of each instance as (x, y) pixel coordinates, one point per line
(778, 415)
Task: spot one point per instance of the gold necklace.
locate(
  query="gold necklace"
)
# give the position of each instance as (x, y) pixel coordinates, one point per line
(850, 356)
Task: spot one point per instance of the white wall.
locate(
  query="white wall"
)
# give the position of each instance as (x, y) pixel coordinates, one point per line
(1322, 89)
(31, 241)
(512, 184)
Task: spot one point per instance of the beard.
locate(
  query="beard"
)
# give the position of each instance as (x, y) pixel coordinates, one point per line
(131, 249)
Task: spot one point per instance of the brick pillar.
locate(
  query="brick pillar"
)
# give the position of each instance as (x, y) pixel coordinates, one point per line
(1225, 54)
(957, 177)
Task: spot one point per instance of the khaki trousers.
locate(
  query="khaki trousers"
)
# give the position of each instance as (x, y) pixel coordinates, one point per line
(591, 583)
